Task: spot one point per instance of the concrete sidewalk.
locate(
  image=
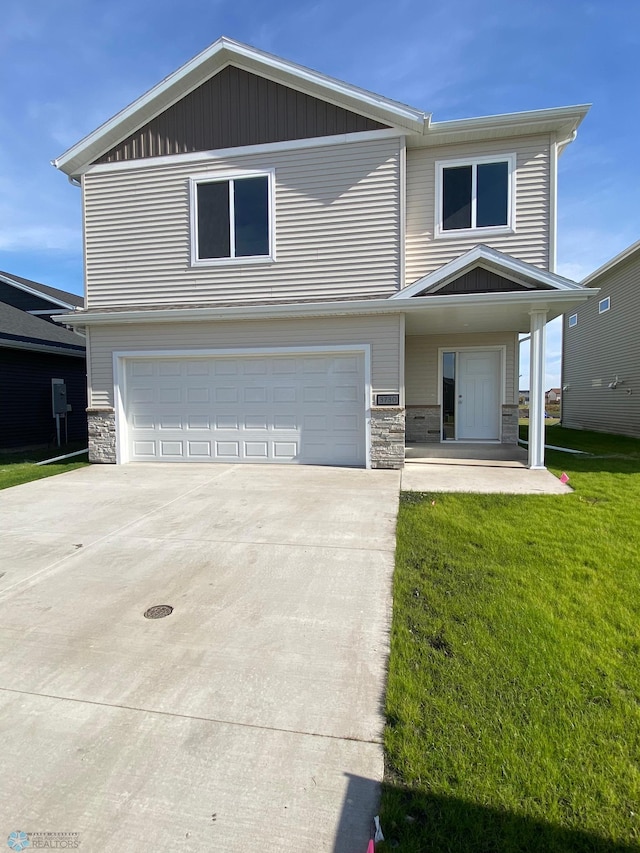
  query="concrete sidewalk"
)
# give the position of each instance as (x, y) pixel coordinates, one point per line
(479, 468)
(251, 717)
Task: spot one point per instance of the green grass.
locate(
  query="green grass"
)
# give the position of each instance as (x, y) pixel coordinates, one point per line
(20, 467)
(513, 702)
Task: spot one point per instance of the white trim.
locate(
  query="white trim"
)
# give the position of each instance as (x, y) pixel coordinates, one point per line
(553, 205)
(33, 292)
(402, 201)
(88, 364)
(230, 177)
(176, 86)
(493, 260)
(242, 151)
(502, 388)
(573, 321)
(607, 300)
(51, 312)
(346, 308)
(536, 390)
(119, 358)
(402, 368)
(474, 231)
(562, 118)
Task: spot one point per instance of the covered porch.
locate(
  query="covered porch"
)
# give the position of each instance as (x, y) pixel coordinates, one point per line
(462, 327)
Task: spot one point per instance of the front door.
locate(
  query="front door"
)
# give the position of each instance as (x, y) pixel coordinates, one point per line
(478, 395)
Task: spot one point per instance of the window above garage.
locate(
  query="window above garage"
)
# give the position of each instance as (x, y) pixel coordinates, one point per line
(232, 219)
(475, 196)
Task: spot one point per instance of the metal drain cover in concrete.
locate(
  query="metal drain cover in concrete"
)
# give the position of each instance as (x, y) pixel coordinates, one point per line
(158, 611)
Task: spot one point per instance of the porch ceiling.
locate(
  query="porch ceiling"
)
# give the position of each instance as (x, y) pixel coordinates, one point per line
(485, 312)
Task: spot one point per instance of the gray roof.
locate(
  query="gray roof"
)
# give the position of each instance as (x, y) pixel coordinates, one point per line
(25, 328)
(44, 289)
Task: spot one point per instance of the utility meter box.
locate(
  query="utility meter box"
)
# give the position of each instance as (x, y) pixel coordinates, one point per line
(59, 397)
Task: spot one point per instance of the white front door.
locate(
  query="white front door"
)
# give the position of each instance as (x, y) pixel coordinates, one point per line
(478, 395)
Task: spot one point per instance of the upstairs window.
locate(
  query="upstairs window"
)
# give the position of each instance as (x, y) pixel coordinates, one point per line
(604, 305)
(573, 320)
(231, 219)
(475, 195)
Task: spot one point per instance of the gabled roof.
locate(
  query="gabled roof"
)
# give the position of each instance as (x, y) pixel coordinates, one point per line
(213, 59)
(21, 329)
(524, 274)
(624, 255)
(58, 298)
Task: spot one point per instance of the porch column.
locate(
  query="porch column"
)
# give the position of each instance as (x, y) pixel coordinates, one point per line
(536, 389)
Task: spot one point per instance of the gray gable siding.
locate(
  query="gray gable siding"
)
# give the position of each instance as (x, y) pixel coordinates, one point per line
(236, 108)
(601, 347)
(480, 280)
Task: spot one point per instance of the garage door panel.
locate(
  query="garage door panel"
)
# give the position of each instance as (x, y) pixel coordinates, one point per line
(245, 408)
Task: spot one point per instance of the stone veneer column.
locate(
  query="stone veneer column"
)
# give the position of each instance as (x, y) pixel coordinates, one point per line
(510, 426)
(423, 424)
(387, 437)
(102, 435)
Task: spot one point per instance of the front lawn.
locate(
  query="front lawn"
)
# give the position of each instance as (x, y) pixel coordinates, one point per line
(20, 467)
(513, 703)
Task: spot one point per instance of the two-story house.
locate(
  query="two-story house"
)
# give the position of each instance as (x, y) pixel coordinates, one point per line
(281, 267)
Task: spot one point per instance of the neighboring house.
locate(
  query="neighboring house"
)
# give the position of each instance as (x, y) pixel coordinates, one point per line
(601, 351)
(33, 351)
(554, 395)
(524, 398)
(282, 267)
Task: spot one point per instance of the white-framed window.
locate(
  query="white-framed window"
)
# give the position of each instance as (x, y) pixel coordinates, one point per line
(604, 305)
(232, 218)
(475, 195)
(573, 320)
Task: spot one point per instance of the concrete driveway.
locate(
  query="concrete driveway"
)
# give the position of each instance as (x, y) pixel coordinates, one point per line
(248, 719)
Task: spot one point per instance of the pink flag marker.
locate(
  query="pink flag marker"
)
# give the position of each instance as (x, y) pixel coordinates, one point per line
(564, 478)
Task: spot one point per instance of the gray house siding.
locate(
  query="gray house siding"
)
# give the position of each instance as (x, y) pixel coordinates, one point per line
(236, 108)
(600, 348)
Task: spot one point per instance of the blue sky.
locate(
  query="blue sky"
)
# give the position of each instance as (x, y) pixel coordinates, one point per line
(67, 66)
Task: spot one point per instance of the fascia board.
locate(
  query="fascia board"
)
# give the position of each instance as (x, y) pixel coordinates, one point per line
(323, 309)
(48, 348)
(491, 259)
(33, 292)
(561, 120)
(624, 255)
(209, 62)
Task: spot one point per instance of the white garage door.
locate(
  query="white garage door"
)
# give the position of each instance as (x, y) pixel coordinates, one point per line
(290, 408)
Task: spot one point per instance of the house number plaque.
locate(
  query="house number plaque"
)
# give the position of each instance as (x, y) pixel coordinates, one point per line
(387, 399)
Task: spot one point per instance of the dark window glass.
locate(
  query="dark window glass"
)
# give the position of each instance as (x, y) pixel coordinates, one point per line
(456, 198)
(213, 220)
(448, 395)
(251, 206)
(492, 194)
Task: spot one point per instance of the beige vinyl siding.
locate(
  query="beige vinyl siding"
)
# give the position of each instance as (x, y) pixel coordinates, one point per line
(383, 333)
(421, 370)
(601, 347)
(530, 242)
(337, 231)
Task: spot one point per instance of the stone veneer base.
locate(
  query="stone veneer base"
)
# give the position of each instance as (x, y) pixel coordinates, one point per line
(102, 435)
(387, 437)
(423, 424)
(510, 423)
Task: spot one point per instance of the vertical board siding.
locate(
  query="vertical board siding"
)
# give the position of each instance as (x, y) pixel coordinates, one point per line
(234, 108)
(529, 243)
(337, 230)
(26, 378)
(421, 370)
(601, 347)
(383, 333)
